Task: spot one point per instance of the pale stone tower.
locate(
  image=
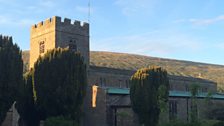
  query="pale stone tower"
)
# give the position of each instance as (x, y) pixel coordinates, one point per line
(54, 33)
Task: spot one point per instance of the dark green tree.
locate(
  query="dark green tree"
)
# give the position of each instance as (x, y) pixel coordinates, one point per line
(194, 89)
(26, 102)
(11, 74)
(60, 81)
(149, 88)
(59, 121)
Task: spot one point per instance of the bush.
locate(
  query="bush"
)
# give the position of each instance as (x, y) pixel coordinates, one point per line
(219, 124)
(175, 123)
(209, 122)
(200, 123)
(59, 121)
(59, 80)
(11, 74)
(149, 94)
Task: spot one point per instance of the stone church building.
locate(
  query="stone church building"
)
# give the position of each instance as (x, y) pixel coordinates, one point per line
(112, 96)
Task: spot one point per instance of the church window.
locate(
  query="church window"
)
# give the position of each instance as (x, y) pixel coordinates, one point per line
(170, 87)
(104, 82)
(41, 47)
(127, 83)
(205, 89)
(101, 82)
(120, 83)
(72, 45)
(172, 110)
(187, 88)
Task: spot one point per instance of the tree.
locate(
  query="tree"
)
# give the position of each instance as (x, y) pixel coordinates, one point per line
(60, 83)
(149, 86)
(11, 74)
(59, 121)
(194, 111)
(26, 102)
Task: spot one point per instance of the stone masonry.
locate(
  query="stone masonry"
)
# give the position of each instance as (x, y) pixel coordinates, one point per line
(54, 33)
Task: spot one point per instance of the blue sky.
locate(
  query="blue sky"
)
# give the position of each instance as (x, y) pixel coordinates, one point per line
(178, 29)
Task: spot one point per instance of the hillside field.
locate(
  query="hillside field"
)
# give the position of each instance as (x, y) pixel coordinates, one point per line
(133, 62)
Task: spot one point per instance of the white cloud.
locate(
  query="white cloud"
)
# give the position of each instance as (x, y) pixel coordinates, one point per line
(84, 9)
(155, 43)
(219, 45)
(207, 21)
(7, 1)
(135, 7)
(6, 20)
(47, 3)
(3, 20)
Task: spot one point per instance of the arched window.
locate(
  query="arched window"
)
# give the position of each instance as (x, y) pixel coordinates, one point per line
(102, 82)
(41, 47)
(72, 45)
(172, 109)
(120, 83)
(127, 83)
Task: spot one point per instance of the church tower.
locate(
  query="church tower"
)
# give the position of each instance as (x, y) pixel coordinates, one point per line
(54, 33)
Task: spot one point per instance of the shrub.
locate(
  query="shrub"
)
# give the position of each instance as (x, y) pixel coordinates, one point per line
(148, 93)
(221, 123)
(11, 74)
(60, 81)
(59, 121)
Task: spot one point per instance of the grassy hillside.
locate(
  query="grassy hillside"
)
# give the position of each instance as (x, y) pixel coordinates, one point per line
(134, 62)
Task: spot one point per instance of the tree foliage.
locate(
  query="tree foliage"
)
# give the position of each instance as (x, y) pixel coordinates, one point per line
(60, 81)
(194, 111)
(11, 74)
(149, 88)
(59, 121)
(26, 104)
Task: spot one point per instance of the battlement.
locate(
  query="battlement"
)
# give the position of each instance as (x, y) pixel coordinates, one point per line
(59, 22)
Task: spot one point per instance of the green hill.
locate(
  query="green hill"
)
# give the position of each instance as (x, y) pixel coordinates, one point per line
(134, 62)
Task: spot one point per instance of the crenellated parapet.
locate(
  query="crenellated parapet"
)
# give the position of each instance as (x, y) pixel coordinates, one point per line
(57, 32)
(59, 22)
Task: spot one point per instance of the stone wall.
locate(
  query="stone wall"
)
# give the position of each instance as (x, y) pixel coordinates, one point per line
(115, 110)
(109, 77)
(181, 83)
(105, 77)
(76, 32)
(57, 33)
(42, 32)
(95, 116)
(109, 105)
